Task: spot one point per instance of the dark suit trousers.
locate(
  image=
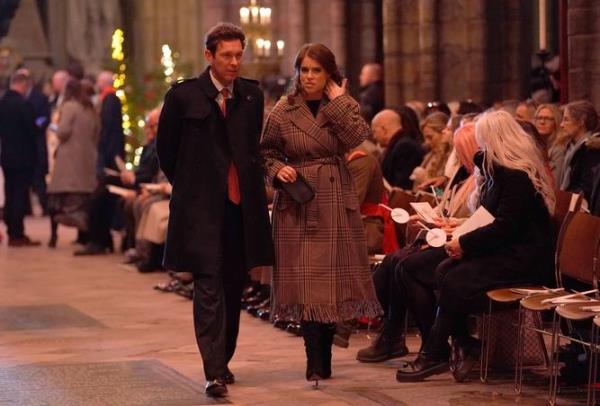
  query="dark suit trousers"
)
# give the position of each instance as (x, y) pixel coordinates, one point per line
(16, 193)
(217, 298)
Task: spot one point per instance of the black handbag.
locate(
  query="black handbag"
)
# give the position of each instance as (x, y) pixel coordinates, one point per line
(299, 190)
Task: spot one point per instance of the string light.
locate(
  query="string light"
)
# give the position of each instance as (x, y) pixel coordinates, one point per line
(119, 83)
(167, 63)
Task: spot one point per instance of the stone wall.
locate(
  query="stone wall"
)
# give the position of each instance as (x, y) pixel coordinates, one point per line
(583, 21)
(440, 50)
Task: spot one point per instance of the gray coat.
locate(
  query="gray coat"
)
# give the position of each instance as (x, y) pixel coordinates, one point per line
(76, 155)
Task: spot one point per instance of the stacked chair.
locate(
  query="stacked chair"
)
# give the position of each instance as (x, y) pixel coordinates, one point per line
(576, 257)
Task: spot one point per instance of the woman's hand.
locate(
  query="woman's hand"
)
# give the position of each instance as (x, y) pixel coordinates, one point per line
(438, 181)
(453, 249)
(286, 174)
(332, 90)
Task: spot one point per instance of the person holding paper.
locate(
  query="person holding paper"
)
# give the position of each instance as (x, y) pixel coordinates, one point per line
(514, 187)
(322, 271)
(406, 278)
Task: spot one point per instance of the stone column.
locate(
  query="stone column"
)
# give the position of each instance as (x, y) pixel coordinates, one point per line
(400, 51)
(583, 34)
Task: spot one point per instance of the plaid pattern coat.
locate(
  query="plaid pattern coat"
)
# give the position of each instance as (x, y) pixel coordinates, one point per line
(322, 269)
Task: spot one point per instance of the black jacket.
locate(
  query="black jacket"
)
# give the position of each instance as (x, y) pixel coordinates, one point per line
(371, 100)
(17, 132)
(148, 167)
(112, 139)
(195, 146)
(516, 248)
(402, 156)
(41, 112)
(584, 160)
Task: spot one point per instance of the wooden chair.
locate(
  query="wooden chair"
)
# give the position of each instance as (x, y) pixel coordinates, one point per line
(565, 203)
(579, 260)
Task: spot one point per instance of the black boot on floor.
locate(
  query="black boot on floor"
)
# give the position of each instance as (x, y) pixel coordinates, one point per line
(313, 344)
(389, 344)
(327, 334)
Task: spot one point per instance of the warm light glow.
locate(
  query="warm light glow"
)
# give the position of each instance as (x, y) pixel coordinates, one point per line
(167, 62)
(280, 47)
(260, 44)
(117, 45)
(141, 123)
(244, 15)
(267, 48)
(254, 11)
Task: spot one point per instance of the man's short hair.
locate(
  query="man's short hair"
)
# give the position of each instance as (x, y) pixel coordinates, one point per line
(223, 32)
(19, 77)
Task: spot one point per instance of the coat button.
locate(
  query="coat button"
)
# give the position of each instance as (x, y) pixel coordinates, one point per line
(332, 179)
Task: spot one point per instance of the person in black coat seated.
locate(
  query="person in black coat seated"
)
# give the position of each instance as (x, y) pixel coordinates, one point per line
(403, 151)
(515, 187)
(17, 157)
(580, 122)
(371, 91)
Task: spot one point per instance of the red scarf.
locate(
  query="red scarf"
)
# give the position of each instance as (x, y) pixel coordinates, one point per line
(106, 91)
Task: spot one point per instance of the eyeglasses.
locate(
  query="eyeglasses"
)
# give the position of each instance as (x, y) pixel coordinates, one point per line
(541, 119)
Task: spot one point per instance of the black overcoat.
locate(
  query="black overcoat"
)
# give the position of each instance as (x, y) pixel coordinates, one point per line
(516, 248)
(195, 145)
(17, 132)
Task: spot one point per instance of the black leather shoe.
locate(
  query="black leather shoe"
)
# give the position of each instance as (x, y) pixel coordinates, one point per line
(294, 328)
(23, 242)
(215, 388)
(264, 314)
(465, 354)
(420, 369)
(253, 310)
(228, 378)
(90, 249)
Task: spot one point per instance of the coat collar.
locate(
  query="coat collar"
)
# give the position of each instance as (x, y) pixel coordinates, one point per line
(301, 114)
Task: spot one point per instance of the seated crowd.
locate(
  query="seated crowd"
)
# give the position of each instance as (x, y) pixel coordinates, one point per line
(509, 160)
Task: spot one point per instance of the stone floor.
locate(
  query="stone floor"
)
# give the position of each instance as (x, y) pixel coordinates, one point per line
(90, 331)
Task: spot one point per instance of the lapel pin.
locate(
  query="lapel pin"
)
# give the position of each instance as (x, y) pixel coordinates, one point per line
(249, 98)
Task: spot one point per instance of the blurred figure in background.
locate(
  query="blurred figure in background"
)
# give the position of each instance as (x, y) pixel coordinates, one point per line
(74, 176)
(17, 157)
(41, 112)
(371, 90)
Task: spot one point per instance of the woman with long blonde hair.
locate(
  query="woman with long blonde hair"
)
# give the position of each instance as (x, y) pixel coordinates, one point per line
(515, 248)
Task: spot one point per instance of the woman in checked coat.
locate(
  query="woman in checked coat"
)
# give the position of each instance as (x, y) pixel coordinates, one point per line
(321, 275)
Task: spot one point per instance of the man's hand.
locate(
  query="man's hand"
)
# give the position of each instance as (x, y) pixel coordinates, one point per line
(128, 177)
(287, 174)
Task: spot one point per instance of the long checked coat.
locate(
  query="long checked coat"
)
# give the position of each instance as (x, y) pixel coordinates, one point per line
(321, 268)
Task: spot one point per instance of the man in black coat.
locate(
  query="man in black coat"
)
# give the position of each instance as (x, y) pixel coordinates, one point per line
(17, 157)
(103, 205)
(208, 147)
(41, 112)
(371, 91)
(402, 153)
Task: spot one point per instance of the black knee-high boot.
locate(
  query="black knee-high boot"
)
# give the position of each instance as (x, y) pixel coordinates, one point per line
(327, 333)
(313, 343)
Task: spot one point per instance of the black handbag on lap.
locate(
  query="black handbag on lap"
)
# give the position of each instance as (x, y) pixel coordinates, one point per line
(299, 190)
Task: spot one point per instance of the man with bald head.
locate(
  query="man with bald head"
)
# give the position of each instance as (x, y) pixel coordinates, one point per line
(371, 90)
(402, 153)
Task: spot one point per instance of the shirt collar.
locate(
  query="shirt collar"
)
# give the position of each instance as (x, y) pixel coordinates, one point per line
(218, 84)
